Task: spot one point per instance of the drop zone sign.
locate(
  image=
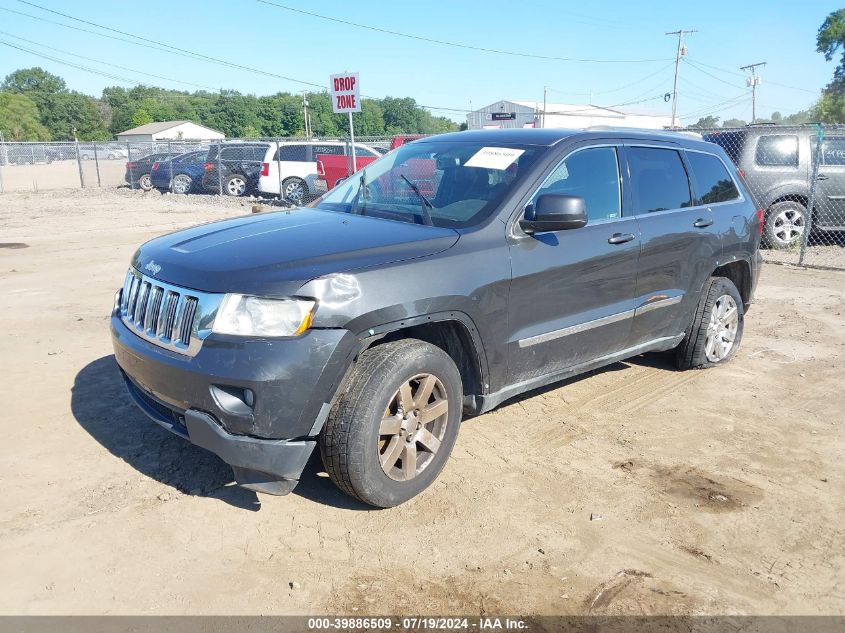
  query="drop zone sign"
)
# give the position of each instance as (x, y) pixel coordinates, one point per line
(345, 93)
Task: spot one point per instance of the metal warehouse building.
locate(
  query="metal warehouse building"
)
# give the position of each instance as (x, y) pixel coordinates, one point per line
(170, 130)
(510, 114)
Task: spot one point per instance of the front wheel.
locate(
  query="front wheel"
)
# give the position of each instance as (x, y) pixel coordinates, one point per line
(716, 329)
(392, 430)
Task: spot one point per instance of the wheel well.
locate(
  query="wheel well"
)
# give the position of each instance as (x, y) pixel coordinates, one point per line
(739, 272)
(792, 197)
(454, 339)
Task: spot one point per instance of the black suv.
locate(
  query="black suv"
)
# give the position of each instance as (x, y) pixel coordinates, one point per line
(446, 277)
(233, 169)
(777, 167)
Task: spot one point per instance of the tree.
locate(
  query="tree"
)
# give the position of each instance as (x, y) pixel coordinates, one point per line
(19, 119)
(734, 123)
(705, 123)
(33, 80)
(141, 117)
(830, 38)
(777, 117)
(63, 112)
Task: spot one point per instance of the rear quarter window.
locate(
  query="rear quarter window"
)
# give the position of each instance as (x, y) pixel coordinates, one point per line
(777, 150)
(713, 183)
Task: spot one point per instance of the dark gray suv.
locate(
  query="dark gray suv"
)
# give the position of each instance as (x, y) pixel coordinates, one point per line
(777, 167)
(450, 275)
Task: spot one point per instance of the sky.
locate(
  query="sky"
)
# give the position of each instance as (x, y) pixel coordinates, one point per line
(629, 58)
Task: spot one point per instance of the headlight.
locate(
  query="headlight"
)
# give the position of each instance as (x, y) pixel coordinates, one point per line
(243, 315)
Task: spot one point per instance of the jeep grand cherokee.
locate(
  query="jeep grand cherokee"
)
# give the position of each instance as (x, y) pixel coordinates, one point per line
(448, 276)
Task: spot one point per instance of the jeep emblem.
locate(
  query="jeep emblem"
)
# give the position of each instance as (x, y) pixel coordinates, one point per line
(153, 267)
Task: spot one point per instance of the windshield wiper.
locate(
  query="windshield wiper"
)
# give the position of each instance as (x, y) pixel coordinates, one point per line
(426, 203)
(362, 194)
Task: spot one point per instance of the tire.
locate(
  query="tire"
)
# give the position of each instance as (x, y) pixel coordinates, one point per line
(716, 329)
(112, 156)
(182, 183)
(367, 428)
(785, 224)
(85, 157)
(294, 189)
(145, 182)
(234, 185)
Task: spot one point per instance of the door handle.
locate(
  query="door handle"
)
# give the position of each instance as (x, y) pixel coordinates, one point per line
(822, 177)
(702, 223)
(620, 238)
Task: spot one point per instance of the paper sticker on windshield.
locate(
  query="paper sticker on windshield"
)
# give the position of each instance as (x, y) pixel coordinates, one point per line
(494, 157)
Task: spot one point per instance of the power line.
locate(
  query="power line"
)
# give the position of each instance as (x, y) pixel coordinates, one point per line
(91, 59)
(448, 43)
(167, 48)
(711, 75)
(619, 88)
(774, 83)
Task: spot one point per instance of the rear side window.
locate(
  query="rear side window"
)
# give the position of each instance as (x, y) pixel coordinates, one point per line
(335, 150)
(659, 180)
(777, 150)
(364, 151)
(833, 151)
(592, 174)
(296, 153)
(713, 183)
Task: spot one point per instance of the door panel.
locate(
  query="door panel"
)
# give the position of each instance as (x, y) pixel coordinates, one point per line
(679, 242)
(572, 295)
(830, 186)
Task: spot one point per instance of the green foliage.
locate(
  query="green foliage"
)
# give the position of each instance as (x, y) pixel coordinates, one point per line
(63, 112)
(141, 117)
(734, 123)
(830, 108)
(33, 80)
(830, 38)
(19, 119)
(705, 123)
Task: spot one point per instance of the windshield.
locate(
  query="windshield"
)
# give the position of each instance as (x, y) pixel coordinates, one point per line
(442, 183)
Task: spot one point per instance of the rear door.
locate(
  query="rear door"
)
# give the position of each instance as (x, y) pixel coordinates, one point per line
(572, 292)
(830, 187)
(679, 241)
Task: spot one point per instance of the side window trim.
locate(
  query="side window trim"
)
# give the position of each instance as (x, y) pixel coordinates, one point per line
(731, 174)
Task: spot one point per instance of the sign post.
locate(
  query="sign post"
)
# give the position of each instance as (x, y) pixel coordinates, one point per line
(346, 97)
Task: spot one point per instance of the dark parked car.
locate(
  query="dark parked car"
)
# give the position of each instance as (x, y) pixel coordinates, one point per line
(184, 171)
(777, 166)
(451, 274)
(138, 170)
(240, 168)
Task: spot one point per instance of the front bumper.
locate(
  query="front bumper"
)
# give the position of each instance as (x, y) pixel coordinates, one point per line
(267, 436)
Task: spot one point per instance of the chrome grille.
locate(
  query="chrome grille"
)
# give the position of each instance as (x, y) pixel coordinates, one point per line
(169, 316)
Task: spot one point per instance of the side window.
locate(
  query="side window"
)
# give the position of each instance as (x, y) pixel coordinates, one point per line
(659, 180)
(335, 150)
(713, 183)
(364, 151)
(238, 153)
(292, 153)
(777, 150)
(257, 153)
(833, 151)
(592, 174)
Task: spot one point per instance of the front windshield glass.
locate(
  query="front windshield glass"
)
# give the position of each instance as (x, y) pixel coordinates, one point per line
(441, 183)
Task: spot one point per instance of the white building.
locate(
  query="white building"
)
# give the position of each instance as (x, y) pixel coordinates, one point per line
(510, 114)
(170, 130)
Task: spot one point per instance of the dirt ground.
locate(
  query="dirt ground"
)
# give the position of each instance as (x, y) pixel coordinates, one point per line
(633, 490)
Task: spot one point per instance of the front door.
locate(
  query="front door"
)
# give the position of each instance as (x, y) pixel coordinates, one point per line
(830, 186)
(572, 292)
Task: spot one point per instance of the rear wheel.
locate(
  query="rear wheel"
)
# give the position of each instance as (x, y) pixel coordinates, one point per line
(391, 432)
(182, 183)
(716, 329)
(294, 189)
(145, 182)
(235, 185)
(785, 224)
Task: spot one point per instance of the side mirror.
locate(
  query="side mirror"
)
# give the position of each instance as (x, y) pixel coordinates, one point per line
(554, 212)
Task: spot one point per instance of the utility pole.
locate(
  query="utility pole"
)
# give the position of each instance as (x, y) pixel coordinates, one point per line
(545, 91)
(682, 51)
(305, 114)
(753, 81)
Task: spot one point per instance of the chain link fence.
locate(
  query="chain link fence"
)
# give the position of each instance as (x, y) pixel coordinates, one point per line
(788, 170)
(791, 170)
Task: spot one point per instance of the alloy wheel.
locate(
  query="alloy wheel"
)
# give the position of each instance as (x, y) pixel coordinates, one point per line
(413, 426)
(236, 186)
(722, 329)
(181, 184)
(788, 226)
(294, 191)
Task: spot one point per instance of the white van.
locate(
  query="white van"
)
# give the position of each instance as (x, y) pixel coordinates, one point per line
(297, 161)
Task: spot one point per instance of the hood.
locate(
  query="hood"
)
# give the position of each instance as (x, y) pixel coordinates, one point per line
(275, 253)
